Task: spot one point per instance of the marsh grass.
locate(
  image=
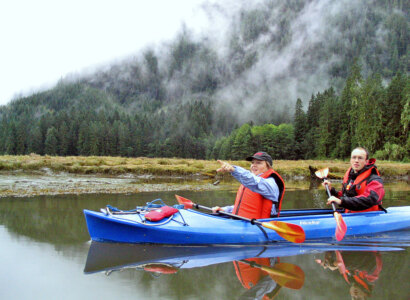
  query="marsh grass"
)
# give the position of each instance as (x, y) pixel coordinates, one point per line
(177, 166)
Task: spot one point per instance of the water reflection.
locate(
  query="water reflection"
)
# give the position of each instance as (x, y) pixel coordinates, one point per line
(262, 271)
(264, 277)
(360, 272)
(258, 268)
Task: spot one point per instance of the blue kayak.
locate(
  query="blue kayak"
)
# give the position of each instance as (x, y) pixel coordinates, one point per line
(191, 227)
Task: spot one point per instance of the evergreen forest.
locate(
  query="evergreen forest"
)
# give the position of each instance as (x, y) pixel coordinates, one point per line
(298, 79)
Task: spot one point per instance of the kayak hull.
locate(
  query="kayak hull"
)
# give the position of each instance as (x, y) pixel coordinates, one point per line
(189, 227)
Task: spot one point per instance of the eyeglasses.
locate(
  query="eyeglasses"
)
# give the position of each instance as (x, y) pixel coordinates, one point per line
(358, 158)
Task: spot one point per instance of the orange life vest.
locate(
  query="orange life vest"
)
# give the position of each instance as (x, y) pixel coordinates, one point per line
(249, 276)
(359, 185)
(252, 205)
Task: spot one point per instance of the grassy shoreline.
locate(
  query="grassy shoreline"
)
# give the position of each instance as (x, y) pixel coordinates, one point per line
(113, 166)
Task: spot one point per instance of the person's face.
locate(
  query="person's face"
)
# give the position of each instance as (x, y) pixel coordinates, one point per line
(358, 160)
(258, 166)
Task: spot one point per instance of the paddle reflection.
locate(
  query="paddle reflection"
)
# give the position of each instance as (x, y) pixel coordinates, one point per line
(264, 277)
(258, 268)
(359, 271)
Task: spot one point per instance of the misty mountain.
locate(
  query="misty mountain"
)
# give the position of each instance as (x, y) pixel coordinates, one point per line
(272, 53)
(196, 88)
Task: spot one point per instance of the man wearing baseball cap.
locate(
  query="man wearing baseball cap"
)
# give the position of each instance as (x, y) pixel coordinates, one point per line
(261, 192)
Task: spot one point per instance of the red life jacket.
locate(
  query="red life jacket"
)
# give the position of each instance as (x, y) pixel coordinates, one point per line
(360, 184)
(360, 277)
(252, 205)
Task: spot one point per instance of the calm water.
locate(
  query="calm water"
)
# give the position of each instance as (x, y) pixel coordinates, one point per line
(45, 253)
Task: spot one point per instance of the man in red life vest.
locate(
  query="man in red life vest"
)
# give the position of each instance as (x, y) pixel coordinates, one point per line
(261, 192)
(362, 188)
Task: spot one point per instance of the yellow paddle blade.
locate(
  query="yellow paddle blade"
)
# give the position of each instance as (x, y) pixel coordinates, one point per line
(322, 173)
(284, 274)
(287, 275)
(291, 232)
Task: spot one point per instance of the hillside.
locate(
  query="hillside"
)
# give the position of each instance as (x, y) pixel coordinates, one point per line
(183, 98)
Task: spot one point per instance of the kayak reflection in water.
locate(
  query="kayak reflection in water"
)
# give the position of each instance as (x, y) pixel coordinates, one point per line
(359, 270)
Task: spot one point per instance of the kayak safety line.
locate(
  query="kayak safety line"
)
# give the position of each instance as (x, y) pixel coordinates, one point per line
(263, 231)
(117, 213)
(143, 221)
(262, 251)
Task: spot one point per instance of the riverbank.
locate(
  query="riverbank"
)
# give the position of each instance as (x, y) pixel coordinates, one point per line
(32, 175)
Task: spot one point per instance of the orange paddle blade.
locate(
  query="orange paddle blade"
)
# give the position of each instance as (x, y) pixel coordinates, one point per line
(186, 202)
(341, 227)
(287, 275)
(291, 232)
(322, 173)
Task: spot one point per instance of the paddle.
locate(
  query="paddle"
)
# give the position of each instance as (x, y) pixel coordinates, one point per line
(341, 227)
(284, 274)
(291, 232)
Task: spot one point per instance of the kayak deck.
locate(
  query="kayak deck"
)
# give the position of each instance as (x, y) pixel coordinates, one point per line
(191, 227)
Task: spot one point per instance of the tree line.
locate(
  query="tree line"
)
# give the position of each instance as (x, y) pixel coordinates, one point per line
(366, 113)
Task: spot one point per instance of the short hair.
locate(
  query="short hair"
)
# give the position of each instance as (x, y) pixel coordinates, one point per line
(364, 149)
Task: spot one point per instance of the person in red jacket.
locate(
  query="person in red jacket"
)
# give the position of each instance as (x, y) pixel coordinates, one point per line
(362, 188)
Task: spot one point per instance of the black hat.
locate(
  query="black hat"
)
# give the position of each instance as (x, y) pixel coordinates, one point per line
(261, 156)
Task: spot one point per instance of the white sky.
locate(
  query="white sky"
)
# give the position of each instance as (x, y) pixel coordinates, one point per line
(42, 41)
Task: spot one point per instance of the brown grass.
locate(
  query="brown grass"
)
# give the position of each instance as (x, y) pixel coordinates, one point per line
(176, 166)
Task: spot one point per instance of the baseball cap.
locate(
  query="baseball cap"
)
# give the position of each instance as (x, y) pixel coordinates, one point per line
(261, 156)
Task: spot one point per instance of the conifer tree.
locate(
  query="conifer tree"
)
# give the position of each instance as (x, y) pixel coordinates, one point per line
(348, 112)
(51, 142)
(299, 122)
(394, 105)
(242, 142)
(35, 143)
(83, 142)
(369, 126)
(11, 138)
(327, 132)
(63, 139)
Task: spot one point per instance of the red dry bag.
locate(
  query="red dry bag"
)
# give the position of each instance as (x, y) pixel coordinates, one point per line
(160, 213)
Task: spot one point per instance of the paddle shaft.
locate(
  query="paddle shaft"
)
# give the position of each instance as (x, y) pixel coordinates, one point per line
(328, 193)
(291, 232)
(341, 226)
(253, 221)
(340, 223)
(270, 269)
